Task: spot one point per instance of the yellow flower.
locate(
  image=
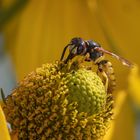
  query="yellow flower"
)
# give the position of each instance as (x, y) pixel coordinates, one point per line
(39, 33)
(60, 100)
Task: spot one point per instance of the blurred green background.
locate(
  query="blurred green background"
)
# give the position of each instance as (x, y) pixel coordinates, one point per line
(35, 32)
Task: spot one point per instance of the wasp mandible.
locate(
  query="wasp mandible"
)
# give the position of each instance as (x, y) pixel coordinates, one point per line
(78, 46)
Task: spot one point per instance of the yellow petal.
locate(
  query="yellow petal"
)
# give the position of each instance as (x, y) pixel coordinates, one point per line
(42, 30)
(122, 126)
(134, 85)
(121, 96)
(4, 134)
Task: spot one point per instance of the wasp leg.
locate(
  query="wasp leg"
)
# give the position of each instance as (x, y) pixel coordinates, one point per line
(107, 72)
(103, 75)
(87, 58)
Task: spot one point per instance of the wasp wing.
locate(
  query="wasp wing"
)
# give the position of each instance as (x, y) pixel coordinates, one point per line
(123, 60)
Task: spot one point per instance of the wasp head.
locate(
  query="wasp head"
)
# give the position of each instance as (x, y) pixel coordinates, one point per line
(77, 46)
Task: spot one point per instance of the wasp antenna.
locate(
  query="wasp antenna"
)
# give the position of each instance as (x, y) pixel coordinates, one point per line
(64, 50)
(70, 56)
(67, 58)
(2, 95)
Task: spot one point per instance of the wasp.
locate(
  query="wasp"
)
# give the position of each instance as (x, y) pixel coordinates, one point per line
(96, 54)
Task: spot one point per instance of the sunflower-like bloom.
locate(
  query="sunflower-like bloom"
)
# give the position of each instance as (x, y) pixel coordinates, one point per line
(60, 102)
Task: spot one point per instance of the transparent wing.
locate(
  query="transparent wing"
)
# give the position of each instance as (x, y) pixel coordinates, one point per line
(123, 60)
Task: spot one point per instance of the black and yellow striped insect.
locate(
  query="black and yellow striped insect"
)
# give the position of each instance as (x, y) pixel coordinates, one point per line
(95, 52)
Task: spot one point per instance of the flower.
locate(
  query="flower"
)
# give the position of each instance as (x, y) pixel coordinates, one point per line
(60, 101)
(54, 23)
